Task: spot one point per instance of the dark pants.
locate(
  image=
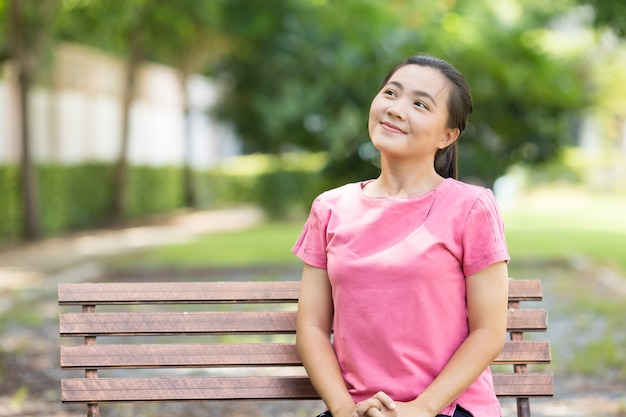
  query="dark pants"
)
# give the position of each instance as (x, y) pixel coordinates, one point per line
(458, 412)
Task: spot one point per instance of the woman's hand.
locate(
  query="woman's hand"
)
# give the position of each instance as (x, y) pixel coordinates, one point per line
(379, 405)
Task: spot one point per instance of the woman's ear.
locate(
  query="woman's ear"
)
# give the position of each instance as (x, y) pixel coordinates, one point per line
(449, 137)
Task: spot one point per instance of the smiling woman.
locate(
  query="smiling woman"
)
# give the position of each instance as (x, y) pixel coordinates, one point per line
(391, 262)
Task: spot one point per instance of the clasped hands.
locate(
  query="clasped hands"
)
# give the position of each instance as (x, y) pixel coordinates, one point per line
(381, 405)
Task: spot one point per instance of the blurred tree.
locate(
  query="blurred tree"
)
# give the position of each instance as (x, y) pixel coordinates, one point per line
(28, 23)
(527, 101)
(611, 13)
(119, 26)
(303, 75)
(181, 34)
(189, 40)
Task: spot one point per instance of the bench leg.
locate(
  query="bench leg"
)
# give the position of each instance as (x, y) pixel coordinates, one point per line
(523, 407)
(93, 410)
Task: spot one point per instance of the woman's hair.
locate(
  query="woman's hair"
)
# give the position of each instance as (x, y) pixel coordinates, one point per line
(459, 107)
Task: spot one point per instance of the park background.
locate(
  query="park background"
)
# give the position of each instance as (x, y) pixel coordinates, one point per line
(117, 115)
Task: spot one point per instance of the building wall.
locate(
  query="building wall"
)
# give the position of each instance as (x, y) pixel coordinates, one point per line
(77, 117)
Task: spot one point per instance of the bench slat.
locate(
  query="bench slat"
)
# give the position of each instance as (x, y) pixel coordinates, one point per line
(213, 322)
(218, 292)
(258, 322)
(227, 355)
(527, 320)
(192, 355)
(525, 290)
(524, 352)
(231, 388)
(186, 389)
(178, 292)
(524, 385)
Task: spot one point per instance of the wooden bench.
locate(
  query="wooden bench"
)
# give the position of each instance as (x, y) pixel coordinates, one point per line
(205, 316)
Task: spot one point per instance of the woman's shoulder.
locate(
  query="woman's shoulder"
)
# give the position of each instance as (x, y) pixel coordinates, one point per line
(463, 194)
(339, 193)
(468, 190)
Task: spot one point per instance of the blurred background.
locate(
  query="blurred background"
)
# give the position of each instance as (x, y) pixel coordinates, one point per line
(125, 114)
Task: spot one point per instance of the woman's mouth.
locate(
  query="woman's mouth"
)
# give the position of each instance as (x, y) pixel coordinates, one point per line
(391, 127)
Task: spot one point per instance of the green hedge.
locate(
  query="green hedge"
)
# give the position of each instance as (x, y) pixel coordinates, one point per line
(10, 204)
(74, 197)
(81, 197)
(154, 190)
(282, 194)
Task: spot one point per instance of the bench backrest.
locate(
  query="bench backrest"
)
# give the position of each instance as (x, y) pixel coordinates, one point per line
(261, 316)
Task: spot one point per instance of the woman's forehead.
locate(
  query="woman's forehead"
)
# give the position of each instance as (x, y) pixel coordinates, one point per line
(421, 78)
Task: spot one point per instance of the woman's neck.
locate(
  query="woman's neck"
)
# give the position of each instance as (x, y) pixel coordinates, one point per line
(403, 185)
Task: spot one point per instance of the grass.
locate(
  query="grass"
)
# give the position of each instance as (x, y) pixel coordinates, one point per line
(269, 244)
(552, 225)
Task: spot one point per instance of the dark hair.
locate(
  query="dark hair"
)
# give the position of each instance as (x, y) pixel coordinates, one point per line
(459, 107)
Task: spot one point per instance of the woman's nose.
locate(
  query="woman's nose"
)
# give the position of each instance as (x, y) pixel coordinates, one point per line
(396, 110)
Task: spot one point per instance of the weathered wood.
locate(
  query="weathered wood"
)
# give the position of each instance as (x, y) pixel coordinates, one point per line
(278, 358)
(180, 356)
(179, 293)
(524, 385)
(234, 322)
(186, 389)
(526, 352)
(527, 320)
(525, 290)
(231, 355)
(212, 322)
(219, 292)
(258, 388)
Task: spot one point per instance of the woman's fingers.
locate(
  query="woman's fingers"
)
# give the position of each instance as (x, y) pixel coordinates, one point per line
(375, 405)
(385, 400)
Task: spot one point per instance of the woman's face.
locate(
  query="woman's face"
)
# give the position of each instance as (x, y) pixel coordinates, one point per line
(409, 115)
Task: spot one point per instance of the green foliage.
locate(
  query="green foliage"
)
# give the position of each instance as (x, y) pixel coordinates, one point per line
(10, 204)
(154, 190)
(217, 189)
(182, 34)
(302, 75)
(284, 186)
(283, 192)
(611, 13)
(74, 197)
(77, 197)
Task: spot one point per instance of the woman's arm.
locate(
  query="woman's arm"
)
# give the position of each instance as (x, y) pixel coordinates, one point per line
(314, 324)
(487, 297)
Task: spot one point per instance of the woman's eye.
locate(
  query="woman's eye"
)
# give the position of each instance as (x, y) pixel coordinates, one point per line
(421, 104)
(390, 93)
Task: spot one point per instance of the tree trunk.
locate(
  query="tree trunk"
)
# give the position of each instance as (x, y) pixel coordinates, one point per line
(121, 167)
(188, 178)
(24, 67)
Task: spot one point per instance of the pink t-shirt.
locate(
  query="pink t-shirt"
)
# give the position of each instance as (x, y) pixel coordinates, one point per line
(397, 268)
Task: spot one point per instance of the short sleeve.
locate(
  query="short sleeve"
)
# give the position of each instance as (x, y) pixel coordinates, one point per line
(484, 242)
(311, 244)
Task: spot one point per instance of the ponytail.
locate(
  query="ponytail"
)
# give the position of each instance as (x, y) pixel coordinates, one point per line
(446, 161)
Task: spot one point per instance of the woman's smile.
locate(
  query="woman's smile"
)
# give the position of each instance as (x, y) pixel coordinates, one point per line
(391, 127)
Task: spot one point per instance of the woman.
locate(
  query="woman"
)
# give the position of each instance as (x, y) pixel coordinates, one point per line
(408, 270)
